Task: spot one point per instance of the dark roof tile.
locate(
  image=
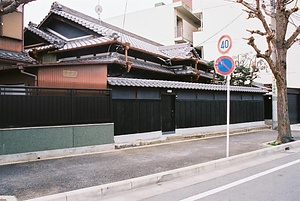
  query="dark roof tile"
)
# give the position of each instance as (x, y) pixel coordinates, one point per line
(116, 81)
(51, 38)
(16, 56)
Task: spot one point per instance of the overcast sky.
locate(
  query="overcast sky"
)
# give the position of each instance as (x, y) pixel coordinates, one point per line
(37, 10)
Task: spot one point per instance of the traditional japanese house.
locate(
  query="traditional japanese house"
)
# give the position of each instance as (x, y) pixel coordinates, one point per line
(75, 50)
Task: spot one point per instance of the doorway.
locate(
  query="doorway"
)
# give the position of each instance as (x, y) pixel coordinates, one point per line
(168, 113)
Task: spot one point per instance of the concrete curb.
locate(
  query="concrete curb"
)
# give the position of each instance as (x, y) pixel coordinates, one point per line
(96, 192)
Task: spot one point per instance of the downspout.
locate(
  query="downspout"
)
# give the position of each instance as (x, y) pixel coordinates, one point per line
(22, 70)
(128, 63)
(196, 65)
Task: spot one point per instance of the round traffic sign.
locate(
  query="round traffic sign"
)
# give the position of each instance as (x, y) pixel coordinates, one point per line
(224, 65)
(224, 44)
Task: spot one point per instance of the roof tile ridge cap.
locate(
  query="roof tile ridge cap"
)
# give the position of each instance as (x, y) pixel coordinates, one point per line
(59, 7)
(32, 24)
(56, 6)
(74, 13)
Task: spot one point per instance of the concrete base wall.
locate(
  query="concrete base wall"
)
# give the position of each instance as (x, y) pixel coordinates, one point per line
(23, 140)
(136, 139)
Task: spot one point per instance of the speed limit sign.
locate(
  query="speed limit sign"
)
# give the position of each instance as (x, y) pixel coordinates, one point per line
(224, 44)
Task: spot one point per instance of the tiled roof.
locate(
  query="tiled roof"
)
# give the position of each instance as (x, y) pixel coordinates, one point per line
(177, 51)
(118, 58)
(205, 74)
(115, 81)
(51, 38)
(104, 29)
(110, 33)
(15, 56)
(85, 42)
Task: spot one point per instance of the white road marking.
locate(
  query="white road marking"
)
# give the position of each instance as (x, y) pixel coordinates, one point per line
(238, 182)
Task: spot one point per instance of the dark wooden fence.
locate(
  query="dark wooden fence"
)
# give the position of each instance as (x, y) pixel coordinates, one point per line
(136, 116)
(37, 106)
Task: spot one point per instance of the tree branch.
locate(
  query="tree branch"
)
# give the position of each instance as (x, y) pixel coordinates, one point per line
(289, 1)
(293, 38)
(266, 56)
(293, 10)
(257, 32)
(251, 42)
(263, 6)
(9, 6)
(257, 13)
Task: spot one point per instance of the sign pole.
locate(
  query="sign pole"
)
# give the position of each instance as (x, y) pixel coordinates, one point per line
(225, 65)
(228, 115)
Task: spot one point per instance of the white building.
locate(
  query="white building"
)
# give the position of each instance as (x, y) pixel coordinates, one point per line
(167, 24)
(202, 23)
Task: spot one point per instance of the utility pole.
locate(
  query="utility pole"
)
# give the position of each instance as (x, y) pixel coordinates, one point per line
(273, 56)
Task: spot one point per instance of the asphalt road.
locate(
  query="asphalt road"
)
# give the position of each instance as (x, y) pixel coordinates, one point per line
(275, 178)
(46, 177)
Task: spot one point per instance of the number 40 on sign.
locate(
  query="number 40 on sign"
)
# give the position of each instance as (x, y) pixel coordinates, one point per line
(224, 44)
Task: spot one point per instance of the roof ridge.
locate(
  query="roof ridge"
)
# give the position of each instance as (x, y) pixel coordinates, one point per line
(59, 7)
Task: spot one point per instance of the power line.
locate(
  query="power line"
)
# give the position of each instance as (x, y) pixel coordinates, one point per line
(212, 7)
(220, 29)
(296, 16)
(125, 14)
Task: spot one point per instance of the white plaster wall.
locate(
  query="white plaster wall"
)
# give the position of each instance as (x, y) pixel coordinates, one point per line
(188, 30)
(156, 23)
(293, 67)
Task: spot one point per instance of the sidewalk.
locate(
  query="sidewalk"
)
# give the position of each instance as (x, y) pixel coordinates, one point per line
(95, 175)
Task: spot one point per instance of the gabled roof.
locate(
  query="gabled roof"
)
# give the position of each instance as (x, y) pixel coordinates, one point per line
(51, 38)
(105, 33)
(130, 82)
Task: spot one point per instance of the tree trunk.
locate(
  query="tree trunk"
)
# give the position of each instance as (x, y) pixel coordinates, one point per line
(284, 128)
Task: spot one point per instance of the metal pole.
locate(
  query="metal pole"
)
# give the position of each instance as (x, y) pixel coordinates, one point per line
(228, 115)
(273, 56)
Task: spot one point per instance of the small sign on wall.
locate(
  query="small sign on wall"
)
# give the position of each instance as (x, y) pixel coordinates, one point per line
(70, 73)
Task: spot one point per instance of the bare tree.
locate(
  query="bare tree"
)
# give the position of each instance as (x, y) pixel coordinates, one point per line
(9, 6)
(278, 44)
